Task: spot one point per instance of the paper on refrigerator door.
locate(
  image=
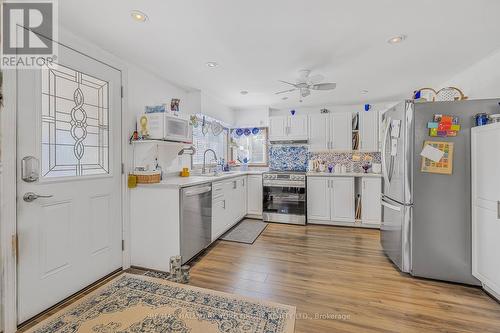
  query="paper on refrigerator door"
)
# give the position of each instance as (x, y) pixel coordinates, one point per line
(432, 153)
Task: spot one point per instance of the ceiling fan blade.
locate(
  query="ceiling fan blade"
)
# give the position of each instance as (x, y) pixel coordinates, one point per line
(292, 84)
(323, 86)
(315, 79)
(284, 91)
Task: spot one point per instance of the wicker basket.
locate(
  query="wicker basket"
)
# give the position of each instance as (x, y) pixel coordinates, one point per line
(147, 177)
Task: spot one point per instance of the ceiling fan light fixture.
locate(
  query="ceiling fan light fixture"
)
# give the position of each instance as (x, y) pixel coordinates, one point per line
(364, 91)
(396, 39)
(212, 64)
(138, 16)
(244, 92)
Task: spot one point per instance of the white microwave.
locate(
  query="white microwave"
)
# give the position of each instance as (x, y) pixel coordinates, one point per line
(164, 126)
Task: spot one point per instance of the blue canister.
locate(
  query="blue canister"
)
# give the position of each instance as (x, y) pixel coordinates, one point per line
(481, 119)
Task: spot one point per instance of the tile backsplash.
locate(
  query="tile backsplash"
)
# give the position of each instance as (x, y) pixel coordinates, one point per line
(347, 159)
(296, 158)
(288, 158)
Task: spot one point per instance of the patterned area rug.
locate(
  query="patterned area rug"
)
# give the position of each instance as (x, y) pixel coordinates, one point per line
(134, 303)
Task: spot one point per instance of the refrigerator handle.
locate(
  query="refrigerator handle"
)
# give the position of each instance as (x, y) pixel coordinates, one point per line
(384, 146)
(392, 207)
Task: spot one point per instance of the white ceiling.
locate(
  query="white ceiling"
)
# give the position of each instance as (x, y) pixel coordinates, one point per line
(257, 42)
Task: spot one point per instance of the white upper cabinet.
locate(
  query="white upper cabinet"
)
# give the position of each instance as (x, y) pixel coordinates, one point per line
(319, 128)
(330, 131)
(368, 131)
(371, 210)
(278, 128)
(297, 127)
(288, 128)
(486, 205)
(341, 131)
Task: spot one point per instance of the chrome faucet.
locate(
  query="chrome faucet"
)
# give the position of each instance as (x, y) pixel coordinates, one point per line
(204, 159)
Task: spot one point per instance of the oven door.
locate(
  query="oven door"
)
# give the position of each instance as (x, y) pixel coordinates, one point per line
(285, 203)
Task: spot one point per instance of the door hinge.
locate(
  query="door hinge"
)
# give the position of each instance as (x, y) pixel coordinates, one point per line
(15, 247)
(123, 245)
(123, 168)
(121, 91)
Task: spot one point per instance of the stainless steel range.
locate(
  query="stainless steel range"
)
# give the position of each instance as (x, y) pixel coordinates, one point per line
(284, 197)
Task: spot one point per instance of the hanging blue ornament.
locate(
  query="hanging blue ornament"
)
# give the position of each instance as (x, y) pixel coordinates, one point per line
(247, 131)
(367, 107)
(239, 131)
(255, 131)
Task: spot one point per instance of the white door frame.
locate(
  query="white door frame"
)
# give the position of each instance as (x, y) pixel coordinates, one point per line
(8, 177)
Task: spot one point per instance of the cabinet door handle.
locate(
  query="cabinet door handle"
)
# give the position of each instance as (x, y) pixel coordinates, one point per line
(498, 210)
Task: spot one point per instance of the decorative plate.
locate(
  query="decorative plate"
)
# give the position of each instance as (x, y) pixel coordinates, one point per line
(450, 94)
(255, 131)
(247, 131)
(217, 128)
(239, 131)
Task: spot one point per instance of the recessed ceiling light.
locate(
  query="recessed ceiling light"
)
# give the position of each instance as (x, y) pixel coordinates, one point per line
(396, 39)
(139, 16)
(364, 91)
(284, 98)
(244, 92)
(212, 64)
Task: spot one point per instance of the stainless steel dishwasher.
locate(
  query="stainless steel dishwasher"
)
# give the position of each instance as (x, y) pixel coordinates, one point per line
(196, 220)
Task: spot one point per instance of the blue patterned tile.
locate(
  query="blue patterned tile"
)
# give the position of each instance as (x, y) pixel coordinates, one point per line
(288, 158)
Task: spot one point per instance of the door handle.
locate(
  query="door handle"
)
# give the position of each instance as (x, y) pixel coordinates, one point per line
(498, 210)
(383, 153)
(392, 207)
(30, 196)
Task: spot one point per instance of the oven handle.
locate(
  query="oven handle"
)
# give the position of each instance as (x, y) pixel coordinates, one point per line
(284, 185)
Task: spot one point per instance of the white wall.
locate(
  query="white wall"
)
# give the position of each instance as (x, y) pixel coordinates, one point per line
(333, 108)
(481, 80)
(145, 88)
(214, 108)
(252, 117)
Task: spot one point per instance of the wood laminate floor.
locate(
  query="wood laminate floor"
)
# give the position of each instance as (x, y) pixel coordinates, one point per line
(340, 281)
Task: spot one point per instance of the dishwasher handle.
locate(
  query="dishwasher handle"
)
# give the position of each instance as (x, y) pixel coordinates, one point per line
(197, 191)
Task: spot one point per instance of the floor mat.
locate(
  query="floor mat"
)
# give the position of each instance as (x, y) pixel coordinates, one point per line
(246, 231)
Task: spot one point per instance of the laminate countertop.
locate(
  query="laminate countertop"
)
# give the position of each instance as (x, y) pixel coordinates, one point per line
(347, 174)
(180, 182)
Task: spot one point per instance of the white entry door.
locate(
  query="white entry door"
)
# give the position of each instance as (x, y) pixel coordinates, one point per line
(69, 179)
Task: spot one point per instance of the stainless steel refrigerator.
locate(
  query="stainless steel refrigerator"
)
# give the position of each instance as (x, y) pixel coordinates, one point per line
(426, 228)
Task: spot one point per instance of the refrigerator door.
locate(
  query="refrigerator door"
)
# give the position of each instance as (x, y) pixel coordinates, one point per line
(441, 227)
(397, 153)
(395, 233)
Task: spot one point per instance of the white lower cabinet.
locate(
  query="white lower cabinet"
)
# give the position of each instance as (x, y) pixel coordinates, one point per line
(371, 210)
(318, 198)
(342, 199)
(330, 200)
(254, 196)
(229, 204)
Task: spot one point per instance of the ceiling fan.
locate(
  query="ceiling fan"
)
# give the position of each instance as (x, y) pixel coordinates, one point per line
(305, 83)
